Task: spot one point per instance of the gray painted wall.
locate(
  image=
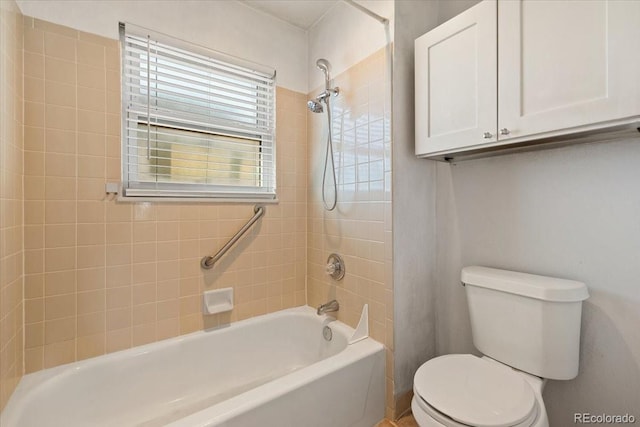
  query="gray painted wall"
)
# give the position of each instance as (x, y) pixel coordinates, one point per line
(413, 208)
(572, 212)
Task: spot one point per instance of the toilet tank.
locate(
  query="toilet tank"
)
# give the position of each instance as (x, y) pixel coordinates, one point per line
(529, 322)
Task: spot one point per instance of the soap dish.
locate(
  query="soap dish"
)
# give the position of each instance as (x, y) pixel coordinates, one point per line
(217, 301)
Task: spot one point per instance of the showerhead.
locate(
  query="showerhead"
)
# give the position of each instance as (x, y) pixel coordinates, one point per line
(315, 106)
(325, 67)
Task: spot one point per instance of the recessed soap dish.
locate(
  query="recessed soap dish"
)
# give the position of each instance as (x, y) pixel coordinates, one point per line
(217, 301)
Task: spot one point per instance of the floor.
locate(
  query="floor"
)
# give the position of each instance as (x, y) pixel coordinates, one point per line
(406, 421)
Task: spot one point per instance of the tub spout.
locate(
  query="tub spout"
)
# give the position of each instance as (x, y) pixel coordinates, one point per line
(328, 307)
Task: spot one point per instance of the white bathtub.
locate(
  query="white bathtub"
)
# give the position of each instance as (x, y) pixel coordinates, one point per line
(273, 370)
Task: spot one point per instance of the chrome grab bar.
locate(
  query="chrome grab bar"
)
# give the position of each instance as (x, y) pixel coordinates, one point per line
(208, 261)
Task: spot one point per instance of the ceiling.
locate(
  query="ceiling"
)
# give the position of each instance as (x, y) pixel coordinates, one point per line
(301, 13)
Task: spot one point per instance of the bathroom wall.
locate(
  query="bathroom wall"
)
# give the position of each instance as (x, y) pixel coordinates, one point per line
(11, 196)
(359, 229)
(346, 36)
(568, 212)
(103, 275)
(572, 213)
(227, 26)
(413, 211)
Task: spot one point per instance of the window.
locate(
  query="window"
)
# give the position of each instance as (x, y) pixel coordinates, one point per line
(196, 123)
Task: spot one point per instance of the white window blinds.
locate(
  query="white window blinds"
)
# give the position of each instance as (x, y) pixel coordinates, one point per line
(195, 123)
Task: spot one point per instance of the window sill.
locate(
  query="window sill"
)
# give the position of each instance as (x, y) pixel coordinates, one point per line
(195, 200)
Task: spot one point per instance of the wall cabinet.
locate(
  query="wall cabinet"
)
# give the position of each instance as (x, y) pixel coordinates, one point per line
(506, 73)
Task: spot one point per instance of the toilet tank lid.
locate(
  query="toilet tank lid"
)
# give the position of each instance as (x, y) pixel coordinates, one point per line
(529, 285)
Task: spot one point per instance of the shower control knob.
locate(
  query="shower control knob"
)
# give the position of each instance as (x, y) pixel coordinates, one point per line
(487, 135)
(335, 267)
(504, 131)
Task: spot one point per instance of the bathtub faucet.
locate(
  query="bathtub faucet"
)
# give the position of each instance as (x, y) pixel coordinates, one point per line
(328, 307)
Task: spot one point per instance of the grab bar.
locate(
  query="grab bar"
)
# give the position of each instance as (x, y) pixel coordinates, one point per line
(208, 261)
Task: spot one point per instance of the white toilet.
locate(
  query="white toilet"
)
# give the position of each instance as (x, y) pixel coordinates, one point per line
(528, 327)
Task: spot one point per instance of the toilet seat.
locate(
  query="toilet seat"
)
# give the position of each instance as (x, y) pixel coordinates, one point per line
(465, 390)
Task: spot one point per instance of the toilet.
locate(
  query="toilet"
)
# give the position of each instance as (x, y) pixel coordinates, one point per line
(528, 329)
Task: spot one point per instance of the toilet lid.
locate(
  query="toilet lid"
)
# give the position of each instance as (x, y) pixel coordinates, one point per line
(475, 392)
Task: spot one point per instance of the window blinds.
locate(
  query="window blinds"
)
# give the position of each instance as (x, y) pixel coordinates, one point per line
(196, 123)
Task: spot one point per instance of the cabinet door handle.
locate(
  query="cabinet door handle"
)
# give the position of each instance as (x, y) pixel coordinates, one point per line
(487, 135)
(504, 131)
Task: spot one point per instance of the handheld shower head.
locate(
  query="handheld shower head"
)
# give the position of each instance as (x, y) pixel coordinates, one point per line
(325, 67)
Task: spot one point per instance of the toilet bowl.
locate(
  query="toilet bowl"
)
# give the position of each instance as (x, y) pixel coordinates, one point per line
(463, 390)
(528, 329)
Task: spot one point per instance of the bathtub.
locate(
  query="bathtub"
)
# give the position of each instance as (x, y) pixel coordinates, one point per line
(272, 370)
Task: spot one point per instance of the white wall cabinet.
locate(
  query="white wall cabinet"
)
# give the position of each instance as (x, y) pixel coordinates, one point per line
(509, 72)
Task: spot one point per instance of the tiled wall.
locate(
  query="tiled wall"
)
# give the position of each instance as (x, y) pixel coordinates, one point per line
(11, 195)
(102, 276)
(359, 228)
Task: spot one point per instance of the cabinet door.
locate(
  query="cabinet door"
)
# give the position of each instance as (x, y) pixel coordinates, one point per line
(455, 82)
(566, 64)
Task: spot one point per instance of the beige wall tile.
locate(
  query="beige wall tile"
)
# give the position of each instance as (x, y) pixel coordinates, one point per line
(92, 323)
(91, 302)
(59, 282)
(91, 77)
(34, 335)
(118, 319)
(90, 211)
(33, 89)
(50, 28)
(119, 339)
(91, 256)
(60, 165)
(33, 40)
(33, 359)
(90, 234)
(59, 330)
(59, 46)
(33, 65)
(90, 54)
(63, 118)
(33, 138)
(34, 163)
(58, 259)
(60, 211)
(34, 311)
(112, 58)
(98, 40)
(136, 266)
(34, 114)
(60, 141)
(91, 121)
(60, 94)
(59, 353)
(59, 70)
(94, 99)
(90, 279)
(90, 346)
(60, 188)
(93, 145)
(60, 306)
(59, 235)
